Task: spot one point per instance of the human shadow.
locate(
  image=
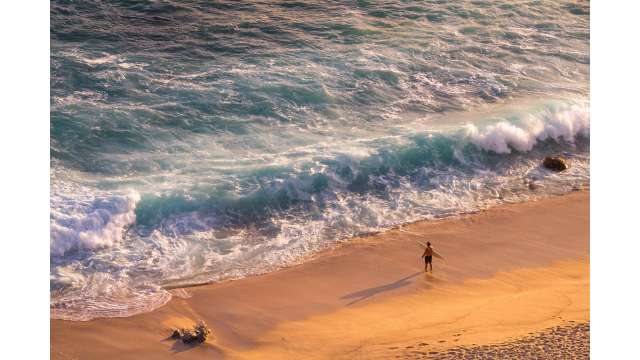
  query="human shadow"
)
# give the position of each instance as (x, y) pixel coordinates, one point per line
(367, 293)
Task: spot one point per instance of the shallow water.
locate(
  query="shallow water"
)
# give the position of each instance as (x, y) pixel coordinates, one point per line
(196, 141)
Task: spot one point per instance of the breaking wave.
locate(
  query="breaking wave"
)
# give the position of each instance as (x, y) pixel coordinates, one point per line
(198, 141)
(504, 136)
(276, 216)
(89, 223)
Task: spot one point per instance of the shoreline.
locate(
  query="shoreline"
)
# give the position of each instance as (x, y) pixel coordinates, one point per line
(377, 271)
(348, 241)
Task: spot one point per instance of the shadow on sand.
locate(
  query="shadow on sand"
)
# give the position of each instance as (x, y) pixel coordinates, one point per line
(367, 293)
(178, 346)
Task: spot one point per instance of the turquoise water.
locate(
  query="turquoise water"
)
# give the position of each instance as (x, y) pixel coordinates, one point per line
(197, 141)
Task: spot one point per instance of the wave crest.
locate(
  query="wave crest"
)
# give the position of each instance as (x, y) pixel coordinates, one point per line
(504, 136)
(78, 224)
(274, 216)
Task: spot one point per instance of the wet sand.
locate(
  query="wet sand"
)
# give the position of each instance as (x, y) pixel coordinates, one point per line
(509, 271)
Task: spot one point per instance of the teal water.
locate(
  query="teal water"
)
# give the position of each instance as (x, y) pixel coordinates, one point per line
(197, 141)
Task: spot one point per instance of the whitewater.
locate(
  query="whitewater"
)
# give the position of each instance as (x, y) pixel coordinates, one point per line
(196, 141)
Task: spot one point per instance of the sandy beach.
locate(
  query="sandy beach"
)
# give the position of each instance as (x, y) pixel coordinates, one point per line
(515, 279)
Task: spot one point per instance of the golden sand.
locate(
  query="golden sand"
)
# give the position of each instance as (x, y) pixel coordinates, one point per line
(511, 272)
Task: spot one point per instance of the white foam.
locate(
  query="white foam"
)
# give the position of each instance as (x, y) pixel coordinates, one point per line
(104, 294)
(188, 248)
(81, 222)
(558, 125)
(106, 59)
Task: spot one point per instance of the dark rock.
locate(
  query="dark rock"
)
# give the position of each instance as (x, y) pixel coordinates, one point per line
(555, 163)
(188, 336)
(197, 335)
(202, 332)
(177, 334)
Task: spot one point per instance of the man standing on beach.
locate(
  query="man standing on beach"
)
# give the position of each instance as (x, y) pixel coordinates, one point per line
(428, 257)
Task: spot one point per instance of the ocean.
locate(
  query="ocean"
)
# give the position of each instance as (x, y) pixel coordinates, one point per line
(199, 141)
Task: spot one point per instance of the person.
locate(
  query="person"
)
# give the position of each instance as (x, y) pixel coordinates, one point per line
(428, 257)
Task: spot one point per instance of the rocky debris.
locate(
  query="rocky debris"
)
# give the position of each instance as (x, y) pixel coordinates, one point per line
(555, 163)
(197, 335)
(177, 334)
(570, 341)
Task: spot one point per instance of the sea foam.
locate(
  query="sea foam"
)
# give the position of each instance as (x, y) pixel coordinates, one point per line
(80, 223)
(255, 144)
(276, 216)
(504, 136)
